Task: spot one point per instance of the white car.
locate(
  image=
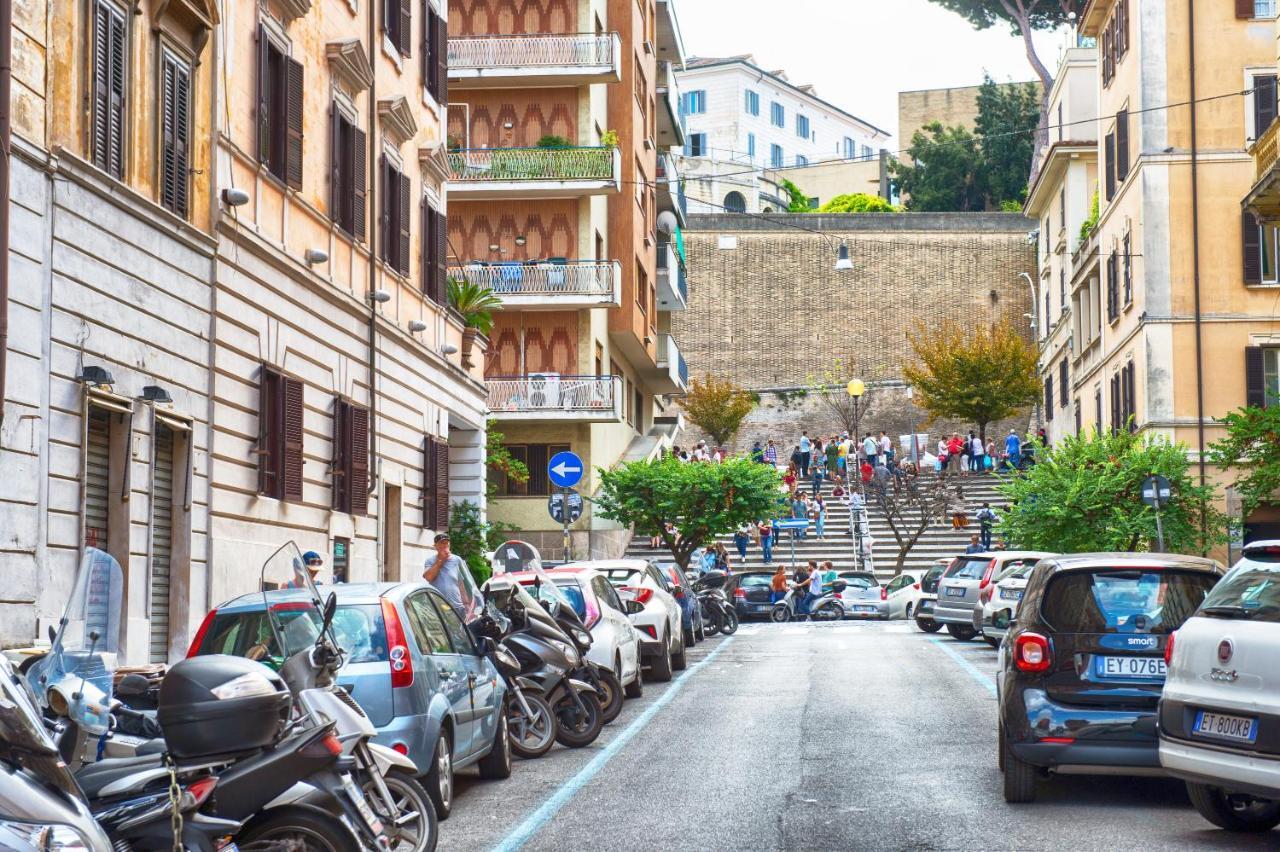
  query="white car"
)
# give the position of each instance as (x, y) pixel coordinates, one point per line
(659, 623)
(998, 602)
(1219, 717)
(615, 644)
(903, 593)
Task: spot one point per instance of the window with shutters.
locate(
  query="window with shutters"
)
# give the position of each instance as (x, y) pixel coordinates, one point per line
(1126, 264)
(435, 483)
(279, 448)
(535, 457)
(1108, 67)
(435, 49)
(435, 252)
(1122, 145)
(350, 466)
(175, 132)
(1048, 398)
(280, 107)
(1122, 29)
(1109, 154)
(1260, 245)
(347, 173)
(394, 224)
(1063, 384)
(397, 25)
(1264, 103)
(110, 32)
(1113, 284)
(1262, 376)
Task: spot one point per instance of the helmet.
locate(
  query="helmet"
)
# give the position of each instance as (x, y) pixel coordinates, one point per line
(310, 555)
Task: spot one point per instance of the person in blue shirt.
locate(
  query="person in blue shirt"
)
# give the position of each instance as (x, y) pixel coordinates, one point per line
(1013, 448)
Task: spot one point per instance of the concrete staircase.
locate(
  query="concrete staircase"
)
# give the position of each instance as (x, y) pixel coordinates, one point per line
(940, 540)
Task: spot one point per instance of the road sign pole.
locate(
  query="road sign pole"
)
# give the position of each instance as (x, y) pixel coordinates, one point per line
(564, 495)
(1159, 531)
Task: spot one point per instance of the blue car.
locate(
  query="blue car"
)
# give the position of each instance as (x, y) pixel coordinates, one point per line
(411, 664)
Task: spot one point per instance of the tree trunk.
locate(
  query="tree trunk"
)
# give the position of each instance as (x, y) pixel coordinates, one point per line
(1046, 82)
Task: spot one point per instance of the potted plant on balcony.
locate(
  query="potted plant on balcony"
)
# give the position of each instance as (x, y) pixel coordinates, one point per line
(476, 303)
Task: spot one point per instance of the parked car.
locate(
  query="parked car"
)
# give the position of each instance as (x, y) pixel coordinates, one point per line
(1080, 672)
(690, 610)
(863, 597)
(442, 708)
(929, 596)
(659, 624)
(1220, 711)
(751, 593)
(903, 593)
(998, 602)
(962, 583)
(615, 644)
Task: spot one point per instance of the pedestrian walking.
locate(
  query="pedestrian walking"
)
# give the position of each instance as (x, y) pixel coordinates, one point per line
(1013, 449)
(886, 447)
(871, 449)
(806, 453)
(833, 458)
(955, 448)
(986, 519)
(771, 454)
(722, 562)
(867, 472)
(990, 456)
(974, 545)
(757, 453)
(789, 478)
(766, 541)
(829, 575)
(778, 585)
(798, 510)
(819, 516)
(815, 587)
(741, 539)
(977, 453)
(819, 473)
(842, 458)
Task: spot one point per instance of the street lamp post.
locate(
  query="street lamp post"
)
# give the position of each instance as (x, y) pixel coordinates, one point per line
(856, 389)
(915, 445)
(1035, 326)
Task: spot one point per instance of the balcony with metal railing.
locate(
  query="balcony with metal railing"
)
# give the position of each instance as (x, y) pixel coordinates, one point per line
(534, 60)
(523, 173)
(669, 188)
(673, 287)
(549, 398)
(673, 372)
(671, 120)
(551, 284)
(1264, 198)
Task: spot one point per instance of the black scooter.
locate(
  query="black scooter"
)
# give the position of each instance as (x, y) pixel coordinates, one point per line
(718, 612)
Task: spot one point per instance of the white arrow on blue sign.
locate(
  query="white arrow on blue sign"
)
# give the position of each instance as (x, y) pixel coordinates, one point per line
(565, 470)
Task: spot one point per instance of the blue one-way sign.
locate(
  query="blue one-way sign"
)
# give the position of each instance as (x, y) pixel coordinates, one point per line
(565, 470)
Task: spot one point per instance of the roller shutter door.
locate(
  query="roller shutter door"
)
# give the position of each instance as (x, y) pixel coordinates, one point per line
(97, 478)
(161, 542)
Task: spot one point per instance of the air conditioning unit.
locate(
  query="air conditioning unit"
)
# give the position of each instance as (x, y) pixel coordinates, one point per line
(544, 390)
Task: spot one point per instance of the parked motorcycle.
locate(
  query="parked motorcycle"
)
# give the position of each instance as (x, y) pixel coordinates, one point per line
(530, 718)
(826, 608)
(718, 612)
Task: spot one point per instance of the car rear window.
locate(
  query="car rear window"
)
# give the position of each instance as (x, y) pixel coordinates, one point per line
(1018, 569)
(934, 573)
(968, 569)
(1252, 587)
(622, 576)
(860, 581)
(571, 590)
(754, 579)
(1124, 600)
(358, 629)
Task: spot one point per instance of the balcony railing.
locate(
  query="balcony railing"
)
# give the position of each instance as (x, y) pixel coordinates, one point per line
(584, 50)
(1264, 151)
(553, 278)
(494, 165)
(550, 394)
(672, 361)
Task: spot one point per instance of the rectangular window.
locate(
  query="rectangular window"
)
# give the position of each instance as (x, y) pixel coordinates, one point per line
(397, 24)
(350, 467)
(1061, 128)
(1109, 153)
(1264, 8)
(751, 146)
(775, 156)
(279, 450)
(849, 148)
(349, 154)
(1264, 103)
(435, 484)
(695, 103)
(280, 87)
(395, 217)
(535, 456)
(777, 114)
(638, 407)
(1271, 376)
(1062, 289)
(802, 126)
(802, 160)
(1122, 29)
(867, 152)
(1063, 383)
(435, 49)
(1048, 398)
(1127, 276)
(110, 83)
(175, 133)
(1122, 145)
(1062, 207)
(341, 560)
(434, 253)
(752, 105)
(696, 145)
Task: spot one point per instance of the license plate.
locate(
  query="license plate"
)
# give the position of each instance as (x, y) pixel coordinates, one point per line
(1242, 729)
(926, 606)
(1011, 594)
(1124, 667)
(955, 591)
(362, 806)
(864, 609)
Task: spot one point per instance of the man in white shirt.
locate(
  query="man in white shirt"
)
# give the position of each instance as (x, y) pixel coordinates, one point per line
(806, 454)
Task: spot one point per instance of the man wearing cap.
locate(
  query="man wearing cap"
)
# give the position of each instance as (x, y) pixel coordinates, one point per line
(314, 562)
(444, 571)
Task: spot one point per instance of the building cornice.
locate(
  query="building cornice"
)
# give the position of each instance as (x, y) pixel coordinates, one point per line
(1059, 154)
(397, 119)
(350, 64)
(434, 161)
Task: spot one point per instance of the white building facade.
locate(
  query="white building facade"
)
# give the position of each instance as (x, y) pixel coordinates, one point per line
(742, 119)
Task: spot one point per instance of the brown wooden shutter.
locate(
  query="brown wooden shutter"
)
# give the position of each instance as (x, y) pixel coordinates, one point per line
(384, 209)
(358, 480)
(1251, 248)
(336, 155)
(406, 229)
(269, 403)
(1048, 398)
(294, 106)
(442, 61)
(109, 66)
(442, 486)
(406, 27)
(1131, 398)
(264, 94)
(1064, 384)
(442, 258)
(1122, 145)
(1115, 403)
(175, 111)
(1255, 382)
(359, 171)
(1244, 9)
(1264, 103)
(429, 476)
(1109, 151)
(341, 455)
(293, 413)
(426, 264)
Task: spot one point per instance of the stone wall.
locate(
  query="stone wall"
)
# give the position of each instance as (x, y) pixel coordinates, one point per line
(953, 107)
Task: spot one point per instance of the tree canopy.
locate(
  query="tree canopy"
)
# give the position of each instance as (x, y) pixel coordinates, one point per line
(858, 202)
(976, 373)
(798, 202)
(944, 173)
(717, 407)
(1084, 494)
(700, 500)
(1007, 118)
(1251, 449)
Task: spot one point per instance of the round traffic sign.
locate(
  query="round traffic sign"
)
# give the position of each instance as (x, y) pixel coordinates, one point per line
(556, 506)
(1156, 491)
(565, 470)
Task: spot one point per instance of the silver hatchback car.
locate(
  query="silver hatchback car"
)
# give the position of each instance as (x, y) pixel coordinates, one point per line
(963, 583)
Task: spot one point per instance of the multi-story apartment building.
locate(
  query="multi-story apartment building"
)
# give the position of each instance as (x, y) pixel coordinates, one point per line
(1186, 282)
(564, 204)
(345, 415)
(743, 122)
(1060, 199)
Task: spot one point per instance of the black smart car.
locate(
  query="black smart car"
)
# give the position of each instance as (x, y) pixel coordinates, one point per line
(1082, 667)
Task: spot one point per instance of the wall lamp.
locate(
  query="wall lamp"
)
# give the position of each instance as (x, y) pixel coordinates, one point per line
(97, 376)
(416, 326)
(155, 393)
(314, 255)
(448, 349)
(234, 196)
(379, 296)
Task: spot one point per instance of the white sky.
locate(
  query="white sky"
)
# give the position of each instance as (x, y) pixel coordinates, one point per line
(860, 53)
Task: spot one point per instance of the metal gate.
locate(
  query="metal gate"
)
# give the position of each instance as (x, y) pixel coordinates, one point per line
(97, 478)
(161, 541)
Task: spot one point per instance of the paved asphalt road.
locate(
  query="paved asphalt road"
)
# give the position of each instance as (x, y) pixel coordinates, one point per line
(831, 736)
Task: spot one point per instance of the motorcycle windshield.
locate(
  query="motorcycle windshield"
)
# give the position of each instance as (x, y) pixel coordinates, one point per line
(20, 724)
(295, 618)
(516, 594)
(513, 557)
(75, 678)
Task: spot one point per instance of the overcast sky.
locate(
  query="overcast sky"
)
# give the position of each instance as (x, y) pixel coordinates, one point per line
(860, 53)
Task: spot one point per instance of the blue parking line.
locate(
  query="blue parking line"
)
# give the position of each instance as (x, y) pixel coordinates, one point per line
(969, 667)
(539, 818)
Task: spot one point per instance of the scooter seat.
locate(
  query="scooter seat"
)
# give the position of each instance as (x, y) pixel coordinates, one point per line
(94, 777)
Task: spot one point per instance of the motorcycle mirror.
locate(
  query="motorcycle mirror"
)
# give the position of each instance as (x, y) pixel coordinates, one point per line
(330, 607)
(53, 634)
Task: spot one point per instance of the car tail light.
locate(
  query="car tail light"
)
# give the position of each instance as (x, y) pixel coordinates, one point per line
(884, 593)
(639, 593)
(1058, 740)
(649, 630)
(1031, 653)
(593, 611)
(1168, 649)
(740, 593)
(915, 586)
(987, 574)
(400, 748)
(397, 649)
(204, 628)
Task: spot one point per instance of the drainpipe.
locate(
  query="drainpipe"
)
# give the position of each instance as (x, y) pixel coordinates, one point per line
(374, 231)
(6, 154)
(1195, 235)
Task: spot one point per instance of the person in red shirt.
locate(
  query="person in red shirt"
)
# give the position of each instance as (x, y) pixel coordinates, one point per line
(955, 447)
(866, 472)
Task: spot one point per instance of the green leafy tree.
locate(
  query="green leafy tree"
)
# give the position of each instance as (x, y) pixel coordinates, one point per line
(475, 302)
(798, 202)
(858, 202)
(944, 173)
(499, 459)
(717, 407)
(977, 374)
(472, 538)
(1006, 123)
(700, 500)
(1251, 449)
(1084, 494)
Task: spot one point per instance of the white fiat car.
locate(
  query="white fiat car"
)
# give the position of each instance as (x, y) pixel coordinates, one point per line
(1219, 718)
(903, 593)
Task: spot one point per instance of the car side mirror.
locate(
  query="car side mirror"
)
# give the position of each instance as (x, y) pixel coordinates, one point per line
(1001, 620)
(634, 607)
